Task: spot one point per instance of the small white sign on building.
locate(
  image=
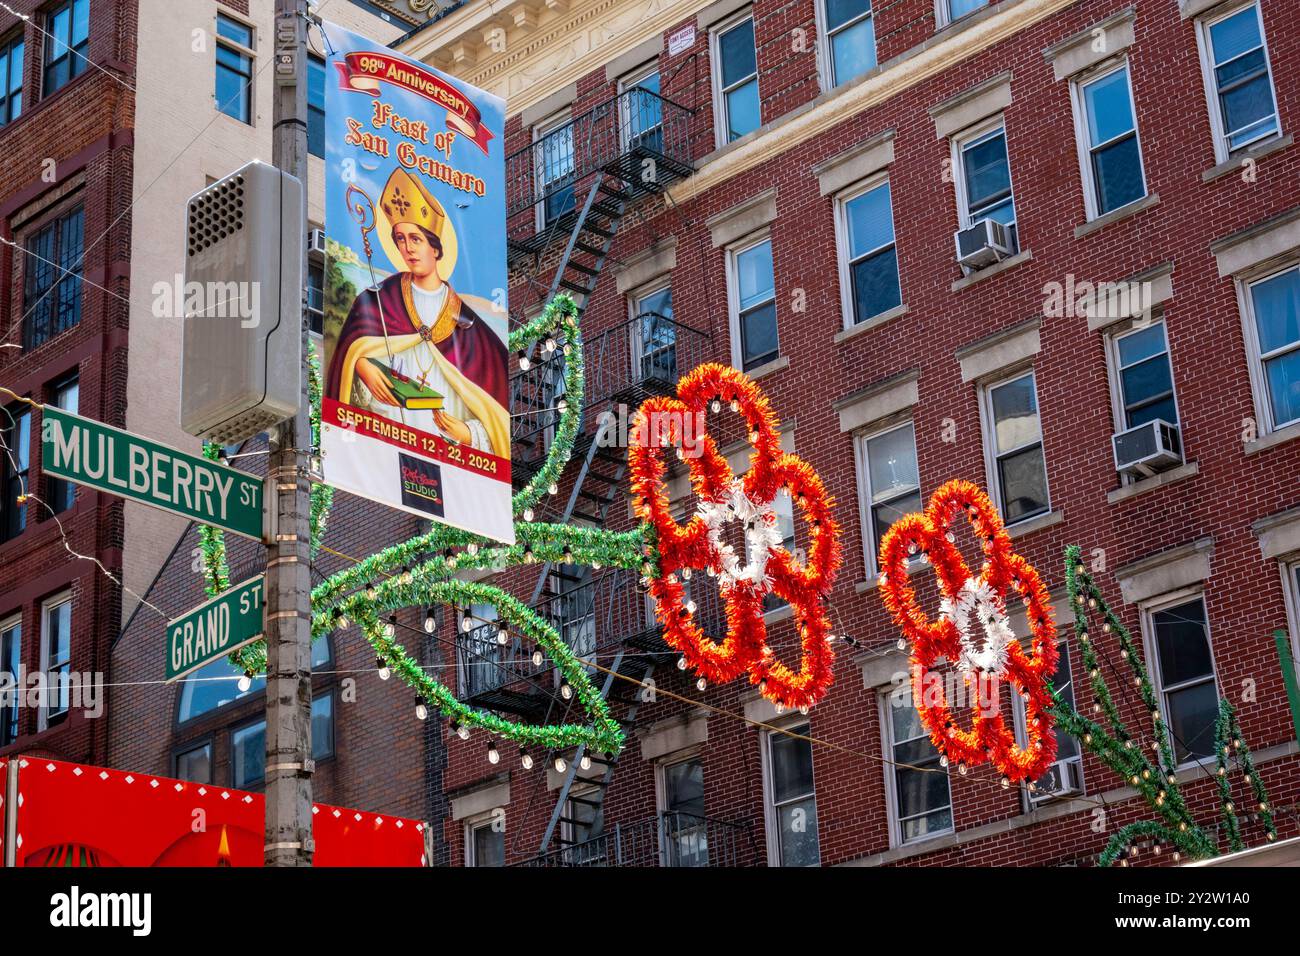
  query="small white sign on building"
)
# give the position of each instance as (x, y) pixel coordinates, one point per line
(682, 40)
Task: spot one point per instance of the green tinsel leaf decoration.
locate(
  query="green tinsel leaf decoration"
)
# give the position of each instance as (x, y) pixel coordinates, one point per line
(1228, 737)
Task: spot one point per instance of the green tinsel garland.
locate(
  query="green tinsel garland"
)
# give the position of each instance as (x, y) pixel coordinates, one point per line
(420, 571)
(1227, 737)
(1157, 782)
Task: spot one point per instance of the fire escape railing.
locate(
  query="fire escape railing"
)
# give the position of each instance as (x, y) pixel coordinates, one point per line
(671, 839)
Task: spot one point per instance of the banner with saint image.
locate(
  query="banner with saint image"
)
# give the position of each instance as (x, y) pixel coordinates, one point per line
(416, 408)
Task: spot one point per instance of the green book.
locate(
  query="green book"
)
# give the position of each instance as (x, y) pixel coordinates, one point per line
(412, 395)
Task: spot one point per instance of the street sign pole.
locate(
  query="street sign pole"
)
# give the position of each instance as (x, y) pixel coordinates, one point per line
(288, 583)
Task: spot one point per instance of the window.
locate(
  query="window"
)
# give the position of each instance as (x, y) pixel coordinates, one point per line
(478, 650)
(555, 169)
(735, 77)
(1273, 337)
(485, 842)
(850, 40)
(52, 288)
(11, 79)
(641, 111)
(1015, 440)
(322, 726)
(215, 685)
(234, 77)
(686, 840)
(783, 505)
(574, 610)
(248, 754)
(1180, 636)
(867, 224)
(754, 306)
(316, 295)
(316, 106)
(950, 10)
(56, 656)
(195, 764)
(62, 493)
(920, 796)
(984, 183)
(892, 484)
(792, 799)
(1064, 776)
(67, 37)
(1143, 376)
(1112, 159)
(16, 436)
(1243, 109)
(578, 824)
(11, 659)
(654, 341)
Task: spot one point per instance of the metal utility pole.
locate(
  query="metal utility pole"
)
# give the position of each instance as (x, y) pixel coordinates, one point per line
(288, 580)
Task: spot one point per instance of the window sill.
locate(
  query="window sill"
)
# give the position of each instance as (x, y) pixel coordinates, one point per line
(1273, 439)
(767, 368)
(1143, 485)
(1254, 153)
(1115, 215)
(778, 614)
(875, 322)
(990, 271)
(1030, 525)
(872, 584)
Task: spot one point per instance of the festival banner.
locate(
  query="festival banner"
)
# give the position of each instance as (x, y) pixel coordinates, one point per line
(416, 407)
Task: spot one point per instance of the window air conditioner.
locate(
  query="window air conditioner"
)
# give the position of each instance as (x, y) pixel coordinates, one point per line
(1062, 779)
(316, 241)
(986, 242)
(1146, 449)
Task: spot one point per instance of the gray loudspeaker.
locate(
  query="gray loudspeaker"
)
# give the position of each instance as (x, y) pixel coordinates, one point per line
(241, 331)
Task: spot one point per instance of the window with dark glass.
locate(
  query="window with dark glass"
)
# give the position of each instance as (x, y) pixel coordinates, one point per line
(1114, 158)
(16, 436)
(57, 638)
(234, 76)
(656, 336)
(686, 840)
(63, 493)
(52, 269)
(1017, 439)
(215, 685)
(793, 798)
(1187, 685)
(195, 764)
(851, 35)
(322, 726)
(67, 38)
(316, 296)
(1242, 92)
(641, 112)
(248, 754)
(986, 173)
(922, 797)
(737, 73)
(873, 258)
(11, 657)
(11, 78)
(756, 293)
(555, 169)
(487, 844)
(893, 484)
(956, 9)
(1275, 304)
(1146, 381)
(316, 106)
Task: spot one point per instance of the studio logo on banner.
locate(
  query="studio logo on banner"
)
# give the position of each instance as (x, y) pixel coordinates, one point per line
(421, 485)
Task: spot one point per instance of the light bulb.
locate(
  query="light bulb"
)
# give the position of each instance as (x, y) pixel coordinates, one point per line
(552, 489)
(528, 514)
(561, 765)
(566, 691)
(462, 732)
(525, 758)
(524, 364)
(585, 762)
(389, 630)
(494, 755)
(245, 681)
(384, 671)
(538, 657)
(471, 548)
(503, 636)
(701, 684)
(467, 624)
(371, 593)
(421, 708)
(343, 621)
(430, 622)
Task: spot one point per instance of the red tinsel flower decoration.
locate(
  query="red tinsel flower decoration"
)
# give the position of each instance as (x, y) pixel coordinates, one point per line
(765, 567)
(929, 535)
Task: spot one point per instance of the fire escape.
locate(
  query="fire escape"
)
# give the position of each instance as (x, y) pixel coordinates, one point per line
(567, 194)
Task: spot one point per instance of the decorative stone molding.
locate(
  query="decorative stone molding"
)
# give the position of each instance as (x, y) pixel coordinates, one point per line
(856, 163)
(1255, 245)
(999, 351)
(1097, 43)
(671, 736)
(1116, 302)
(971, 106)
(719, 10)
(878, 401)
(1279, 533)
(481, 799)
(880, 666)
(759, 709)
(638, 55)
(646, 266)
(737, 455)
(548, 107)
(742, 219)
(1192, 8)
(1170, 570)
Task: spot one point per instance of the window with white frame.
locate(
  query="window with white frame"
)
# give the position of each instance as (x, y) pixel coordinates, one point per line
(11, 659)
(983, 178)
(234, 77)
(753, 305)
(783, 505)
(1238, 79)
(869, 258)
(555, 169)
(67, 396)
(1144, 380)
(1014, 439)
(735, 78)
(850, 40)
(654, 335)
(681, 808)
(1178, 636)
(791, 798)
(1273, 340)
(920, 804)
(1291, 584)
(479, 650)
(641, 117)
(946, 11)
(1066, 774)
(485, 840)
(1109, 149)
(56, 656)
(891, 485)
(578, 825)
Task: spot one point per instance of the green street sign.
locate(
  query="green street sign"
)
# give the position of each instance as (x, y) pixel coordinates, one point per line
(110, 459)
(225, 623)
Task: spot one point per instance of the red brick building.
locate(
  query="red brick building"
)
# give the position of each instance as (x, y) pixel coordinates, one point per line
(66, 148)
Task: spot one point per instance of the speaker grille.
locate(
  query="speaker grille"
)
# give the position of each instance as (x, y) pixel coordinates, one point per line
(216, 213)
